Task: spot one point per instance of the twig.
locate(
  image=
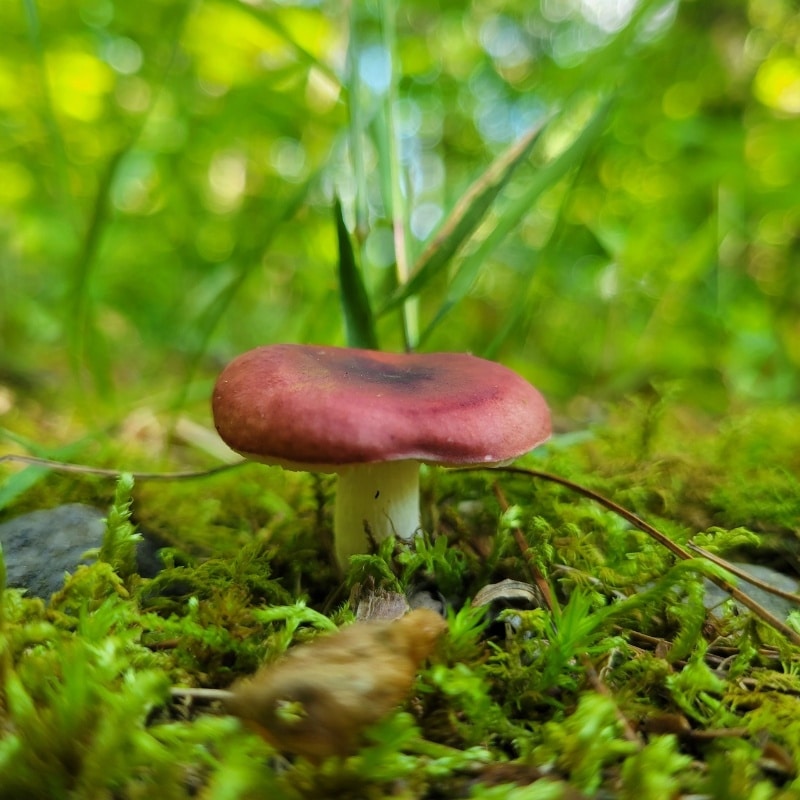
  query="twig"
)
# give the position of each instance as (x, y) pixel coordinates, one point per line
(715, 733)
(541, 581)
(63, 466)
(201, 694)
(662, 539)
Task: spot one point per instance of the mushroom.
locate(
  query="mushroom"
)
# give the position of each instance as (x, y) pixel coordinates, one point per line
(372, 417)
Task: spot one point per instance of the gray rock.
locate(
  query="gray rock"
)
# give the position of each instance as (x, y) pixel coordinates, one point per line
(778, 606)
(40, 547)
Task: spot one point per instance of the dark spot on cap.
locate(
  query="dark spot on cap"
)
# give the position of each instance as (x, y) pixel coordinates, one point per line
(409, 378)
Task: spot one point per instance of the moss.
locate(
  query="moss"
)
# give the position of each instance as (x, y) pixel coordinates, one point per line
(628, 686)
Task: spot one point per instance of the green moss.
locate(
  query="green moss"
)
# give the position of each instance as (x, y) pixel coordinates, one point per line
(576, 693)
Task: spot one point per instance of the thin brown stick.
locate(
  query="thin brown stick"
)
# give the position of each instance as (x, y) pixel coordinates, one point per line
(663, 540)
(63, 466)
(201, 694)
(519, 538)
(716, 733)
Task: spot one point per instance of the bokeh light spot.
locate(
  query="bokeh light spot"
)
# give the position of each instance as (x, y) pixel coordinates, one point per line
(777, 84)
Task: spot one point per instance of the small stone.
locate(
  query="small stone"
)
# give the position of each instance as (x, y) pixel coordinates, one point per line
(778, 606)
(40, 547)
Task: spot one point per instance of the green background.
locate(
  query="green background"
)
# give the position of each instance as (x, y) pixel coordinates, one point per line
(168, 173)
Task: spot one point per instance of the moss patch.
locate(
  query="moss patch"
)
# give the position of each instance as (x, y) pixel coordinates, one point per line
(627, 687)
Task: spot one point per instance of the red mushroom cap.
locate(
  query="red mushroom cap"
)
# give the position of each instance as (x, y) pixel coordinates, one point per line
(321, 407)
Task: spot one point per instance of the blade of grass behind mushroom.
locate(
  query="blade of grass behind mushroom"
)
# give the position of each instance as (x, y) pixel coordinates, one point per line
(466, 216)
(358, 319)
(546, 176)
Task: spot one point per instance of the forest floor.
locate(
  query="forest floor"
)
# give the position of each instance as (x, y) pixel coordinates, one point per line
(592, 649)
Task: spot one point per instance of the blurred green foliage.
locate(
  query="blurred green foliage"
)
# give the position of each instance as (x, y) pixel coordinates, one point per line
(168, 172)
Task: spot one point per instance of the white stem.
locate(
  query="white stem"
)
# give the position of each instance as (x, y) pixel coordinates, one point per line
(382, 498)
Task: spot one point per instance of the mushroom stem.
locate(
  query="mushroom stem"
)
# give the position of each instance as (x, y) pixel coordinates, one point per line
(382, 498)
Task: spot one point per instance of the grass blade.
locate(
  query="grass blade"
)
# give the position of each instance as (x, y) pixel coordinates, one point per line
(519, 314)
(545, 178)
(398, 187)
(356, 127)
(466, 215)
(358, 319)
